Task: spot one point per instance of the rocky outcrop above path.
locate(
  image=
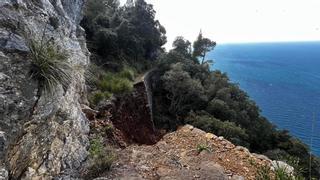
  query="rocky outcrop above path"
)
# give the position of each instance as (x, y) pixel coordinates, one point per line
(49, 138)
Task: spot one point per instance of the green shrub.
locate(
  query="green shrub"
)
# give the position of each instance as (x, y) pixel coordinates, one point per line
(203, 147)
(121, 86)
(96, 98)
(107, 95)
(105, 41)
(108, 129)
(106, 83)
(281, 174)
(227, 129)
(49, 66)
(96, 148)
(263, 173)
(100, 165)
(101, 159)
(127, 73)
(113, 83)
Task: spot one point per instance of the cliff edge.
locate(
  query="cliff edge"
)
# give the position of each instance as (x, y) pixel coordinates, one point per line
(188, 153)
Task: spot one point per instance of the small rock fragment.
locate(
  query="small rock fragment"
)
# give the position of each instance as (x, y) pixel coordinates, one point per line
(210, 136)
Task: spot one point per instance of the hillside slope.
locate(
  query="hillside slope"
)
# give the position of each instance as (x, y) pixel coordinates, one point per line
(188, 153)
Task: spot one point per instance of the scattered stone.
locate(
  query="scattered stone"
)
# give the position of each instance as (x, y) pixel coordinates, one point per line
(196, 176)
(220, 138)
(224, 143)
(90, 113)
(230, 146)
(189, 127)
(210, 136)
(211, 170)
(198, 131)
(236, 177)
(3, 77)
(4, 175)
(242, 149)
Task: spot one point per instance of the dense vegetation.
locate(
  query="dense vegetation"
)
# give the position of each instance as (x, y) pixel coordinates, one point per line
(208, 100)
(123, 35)
(127, 40)
(123, 40)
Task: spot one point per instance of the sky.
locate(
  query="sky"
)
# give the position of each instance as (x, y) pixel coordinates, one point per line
(240, 21)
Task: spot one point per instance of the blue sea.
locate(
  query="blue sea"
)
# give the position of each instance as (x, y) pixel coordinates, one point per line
(283, 79)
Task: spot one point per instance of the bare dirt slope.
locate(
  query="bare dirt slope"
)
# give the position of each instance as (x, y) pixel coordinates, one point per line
(188, 153)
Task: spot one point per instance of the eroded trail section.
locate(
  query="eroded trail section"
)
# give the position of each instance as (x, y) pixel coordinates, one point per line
(188, 153)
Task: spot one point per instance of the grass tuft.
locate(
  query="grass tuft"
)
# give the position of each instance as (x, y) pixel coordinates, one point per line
(115, 84)
(203, 147)
(101, 159)
(49, 66)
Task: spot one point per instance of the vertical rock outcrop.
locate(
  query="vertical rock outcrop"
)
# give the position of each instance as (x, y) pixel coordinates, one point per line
(41, 137)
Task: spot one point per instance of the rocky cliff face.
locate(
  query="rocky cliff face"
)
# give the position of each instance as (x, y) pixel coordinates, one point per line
(49, 138)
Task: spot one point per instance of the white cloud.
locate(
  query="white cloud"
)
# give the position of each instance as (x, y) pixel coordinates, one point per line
(240, 20)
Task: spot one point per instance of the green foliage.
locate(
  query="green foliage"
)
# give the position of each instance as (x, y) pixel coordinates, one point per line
(105, 41)
(49, 65)
(101, 159)
(299, 162)
(202, 46)
(185, 92)
(227, 129)
(107, 84)
(281, 174)
(203, 147)
(108, 129)
(186, 85)
(128, 34)
(96, 97)
(115, 84)
(99, 166)
(127, 73)
(96, 148)
(263, 173)
(182, 46)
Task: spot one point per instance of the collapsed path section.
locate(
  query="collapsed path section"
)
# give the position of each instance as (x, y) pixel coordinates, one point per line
(132, 113)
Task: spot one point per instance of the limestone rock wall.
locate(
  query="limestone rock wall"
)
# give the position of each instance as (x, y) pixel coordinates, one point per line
(49, 138)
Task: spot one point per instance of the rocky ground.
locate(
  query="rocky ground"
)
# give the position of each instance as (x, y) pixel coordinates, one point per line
(188, 153)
